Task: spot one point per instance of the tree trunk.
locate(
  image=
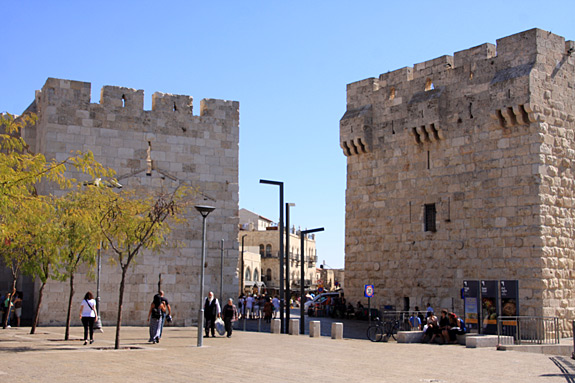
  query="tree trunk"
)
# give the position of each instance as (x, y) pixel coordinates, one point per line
(12, 290)
(37, 313)
(120, 300)
(68, 318)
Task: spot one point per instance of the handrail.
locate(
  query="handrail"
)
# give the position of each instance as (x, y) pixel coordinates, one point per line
(527, 330)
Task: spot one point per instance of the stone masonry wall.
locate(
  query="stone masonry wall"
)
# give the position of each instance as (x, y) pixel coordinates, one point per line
(155, 150)
(486, 136)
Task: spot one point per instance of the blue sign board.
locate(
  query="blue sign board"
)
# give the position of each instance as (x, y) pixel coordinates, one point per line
(368, 291)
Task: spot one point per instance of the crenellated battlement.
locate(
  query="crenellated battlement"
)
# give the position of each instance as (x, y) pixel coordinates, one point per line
(131, 101)
(446, 93)
(172, 102)
(117, 97)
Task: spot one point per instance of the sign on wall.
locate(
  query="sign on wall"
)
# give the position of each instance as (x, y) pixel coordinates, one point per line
(471, 304)
(489, 306)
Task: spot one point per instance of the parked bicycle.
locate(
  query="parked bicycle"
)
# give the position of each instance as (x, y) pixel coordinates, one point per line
(382, 331)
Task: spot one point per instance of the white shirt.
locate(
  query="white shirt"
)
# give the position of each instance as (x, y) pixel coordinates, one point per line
(86, 310)
(249, 302)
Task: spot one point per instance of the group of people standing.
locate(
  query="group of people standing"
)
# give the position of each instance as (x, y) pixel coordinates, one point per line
(259, 306)
(11, 304)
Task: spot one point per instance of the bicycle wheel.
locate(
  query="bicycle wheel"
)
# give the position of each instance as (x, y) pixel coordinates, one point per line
(375, 333)
(394, 330)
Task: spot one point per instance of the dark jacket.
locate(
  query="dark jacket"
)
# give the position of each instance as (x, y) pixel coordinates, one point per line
(210, 309)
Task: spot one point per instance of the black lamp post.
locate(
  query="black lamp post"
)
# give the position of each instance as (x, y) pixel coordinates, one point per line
(281, 251)
(204, 211)
(303, 234)
(288, 261)
(242, 269)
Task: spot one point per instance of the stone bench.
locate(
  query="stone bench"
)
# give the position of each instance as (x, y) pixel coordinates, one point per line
(474, 341)
(462, 339)
(409, 336)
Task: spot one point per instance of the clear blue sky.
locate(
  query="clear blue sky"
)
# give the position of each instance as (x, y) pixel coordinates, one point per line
(286, 62)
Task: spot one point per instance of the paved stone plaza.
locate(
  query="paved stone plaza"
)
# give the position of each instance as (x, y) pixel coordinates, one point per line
(260, 357)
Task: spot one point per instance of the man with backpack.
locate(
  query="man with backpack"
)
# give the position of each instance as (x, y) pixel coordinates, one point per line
(166, 315)
(157, 308)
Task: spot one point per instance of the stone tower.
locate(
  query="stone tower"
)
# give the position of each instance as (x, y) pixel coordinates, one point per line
(463, 167)
(156, 150)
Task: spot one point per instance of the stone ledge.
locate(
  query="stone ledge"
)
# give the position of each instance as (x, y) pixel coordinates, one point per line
(409, 336)
(475, 341)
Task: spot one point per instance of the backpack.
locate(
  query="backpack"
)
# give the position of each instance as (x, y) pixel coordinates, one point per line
(463, 328)
(156, 312)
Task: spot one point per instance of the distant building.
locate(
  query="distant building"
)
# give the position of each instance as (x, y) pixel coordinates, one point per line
(260, 238)
(330, 279)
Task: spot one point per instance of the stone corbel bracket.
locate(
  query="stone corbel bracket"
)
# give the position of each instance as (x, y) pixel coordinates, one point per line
(356, 131)
(427, 133)
(517, 115)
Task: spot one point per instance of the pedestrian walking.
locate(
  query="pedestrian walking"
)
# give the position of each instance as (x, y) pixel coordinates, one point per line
(212, 311)
(18, 307)
(157, 308)
(88, 315)
(166, 314)
(249, 307)
(230, 314)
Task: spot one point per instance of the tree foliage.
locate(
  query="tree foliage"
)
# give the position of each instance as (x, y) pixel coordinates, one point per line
(132, 223)
(29, 234)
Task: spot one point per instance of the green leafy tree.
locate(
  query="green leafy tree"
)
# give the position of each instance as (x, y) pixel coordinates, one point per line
(20, 172)
(131, 224)
(80, 237)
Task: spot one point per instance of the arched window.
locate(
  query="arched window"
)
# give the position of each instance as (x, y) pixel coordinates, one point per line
(261, 250)
(429, 85)
(248, 276)
(268, 250)
(269, 275)
(392, 93)
(256, 275)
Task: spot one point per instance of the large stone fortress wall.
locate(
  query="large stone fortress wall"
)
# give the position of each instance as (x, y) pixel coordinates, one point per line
(156, 150)
(484, 137)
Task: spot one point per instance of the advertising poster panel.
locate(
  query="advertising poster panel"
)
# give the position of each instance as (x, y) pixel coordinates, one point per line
(509, 305)
(509, 298)
(471, 304)
(489, 306)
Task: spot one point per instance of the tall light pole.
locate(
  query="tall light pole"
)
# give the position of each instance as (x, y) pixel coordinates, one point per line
(98, 324)
(112, 183)
(281, 252)
(303, 234)
(242, 270)
(204, 211)
(222, 272)
(288, 261)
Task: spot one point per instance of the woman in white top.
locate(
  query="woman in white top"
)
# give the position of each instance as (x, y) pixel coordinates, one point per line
(88, 315)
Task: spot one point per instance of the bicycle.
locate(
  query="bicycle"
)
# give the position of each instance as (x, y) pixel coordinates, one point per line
(382, 331)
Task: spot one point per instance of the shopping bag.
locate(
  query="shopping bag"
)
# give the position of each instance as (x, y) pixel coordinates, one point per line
(220, 327)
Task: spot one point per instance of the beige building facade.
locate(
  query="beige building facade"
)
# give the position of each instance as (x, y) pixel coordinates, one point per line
(330, 279)
(156, 150)
(462, 168)
(260, 234)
